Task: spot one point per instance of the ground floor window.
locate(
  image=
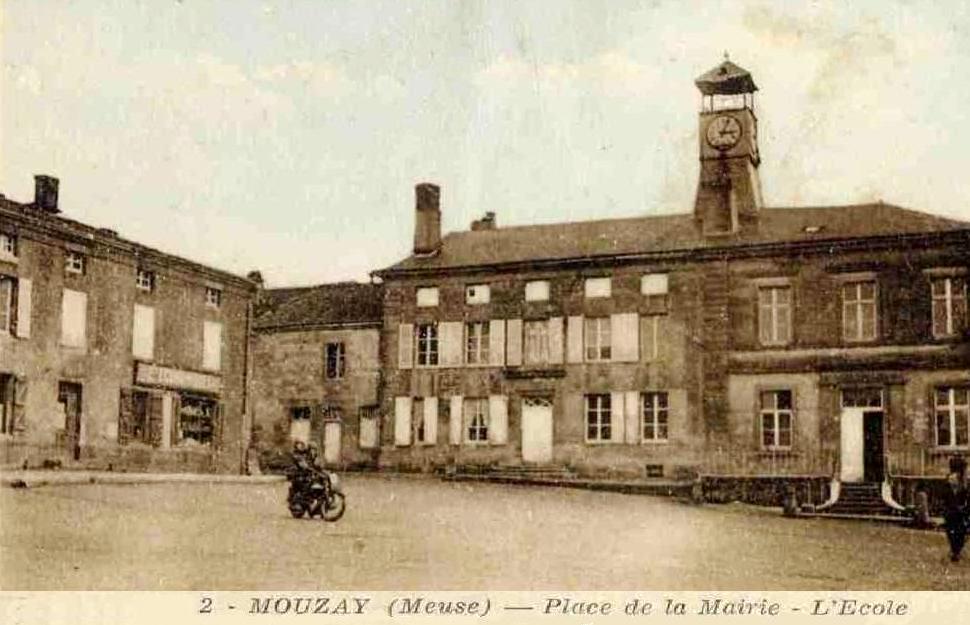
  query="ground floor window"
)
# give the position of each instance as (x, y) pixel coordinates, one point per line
(369, 427)
(476, 416)
(196, 420)
(598, 418)
(655, 415)
(776, 419)
(300, 423)
(6, 403)
(952, 407)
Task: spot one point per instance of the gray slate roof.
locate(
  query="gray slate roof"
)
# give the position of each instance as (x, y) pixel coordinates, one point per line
(670, 233)
(339, 303)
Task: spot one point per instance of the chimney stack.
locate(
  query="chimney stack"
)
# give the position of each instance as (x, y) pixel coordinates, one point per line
(485, 223)
(427, 218)
(45, 193)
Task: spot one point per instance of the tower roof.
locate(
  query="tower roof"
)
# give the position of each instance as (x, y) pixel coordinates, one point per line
(726, 79)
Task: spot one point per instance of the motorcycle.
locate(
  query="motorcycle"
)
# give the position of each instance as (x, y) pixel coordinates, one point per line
(316, 493)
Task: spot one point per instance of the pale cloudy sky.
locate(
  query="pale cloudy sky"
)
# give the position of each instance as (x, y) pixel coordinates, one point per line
(288, 135)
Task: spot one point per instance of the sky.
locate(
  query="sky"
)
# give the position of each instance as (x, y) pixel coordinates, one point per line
(287, 136)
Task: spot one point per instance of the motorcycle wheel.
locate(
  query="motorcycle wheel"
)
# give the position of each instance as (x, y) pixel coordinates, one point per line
(297, 510)
(335, 508)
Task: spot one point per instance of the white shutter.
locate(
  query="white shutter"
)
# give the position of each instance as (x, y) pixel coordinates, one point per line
(402, 421)
(23, 308)
(456, 427)
(451, 343)
(631, 405)
(74, 307)
(625, 331)
(498, 419)
(514, 337)
(555, 341)
(168, 419)
(211, 345)
(617, 420)
(405, 345)
(496, 342)
(430, 420)
(368, 432)
(677, 411)
(574, 339)
(143, 332)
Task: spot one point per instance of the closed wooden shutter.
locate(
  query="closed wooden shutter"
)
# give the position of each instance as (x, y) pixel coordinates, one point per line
(211, 345)
(498, 417)
(617, 418)
(555, 340)
(496, 342)
(23, 308)
(126, 411)
(455, 427)
(402, 421)
(514, 342)
(19, 403)
(677, 417)
(625, 337)
(451, 343)
(631, 406)
(143, 332)
(430, 421)
(74, 315)
(405, 345)
(368, 432)
(574, 339)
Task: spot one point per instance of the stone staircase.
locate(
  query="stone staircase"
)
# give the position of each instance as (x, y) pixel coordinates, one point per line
(862, 500)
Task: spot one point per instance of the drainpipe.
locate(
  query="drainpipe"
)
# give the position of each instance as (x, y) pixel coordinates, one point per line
(247, 428)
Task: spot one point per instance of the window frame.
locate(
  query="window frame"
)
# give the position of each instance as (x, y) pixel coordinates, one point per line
(469, 420)
(603, 427)
(9, 248)
(75, 263)
(472, 295)
(339, 368)
(775, 413)
(858, 304)
(146, 280)
(775, 310)
(431, 349)
(8, 302)
(952, 414)
(477, 344)
(213, 297)
(593, 339)
(954, 326)
(656, 411)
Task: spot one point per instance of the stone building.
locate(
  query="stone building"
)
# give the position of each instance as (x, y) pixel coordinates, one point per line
(734, 339)
(113, 353)
(316, 368)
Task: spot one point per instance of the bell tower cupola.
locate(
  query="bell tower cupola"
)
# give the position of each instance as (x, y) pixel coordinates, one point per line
(729, 190)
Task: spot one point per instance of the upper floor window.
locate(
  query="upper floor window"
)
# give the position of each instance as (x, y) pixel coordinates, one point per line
(478, 294)
(653, 284)
(774, 315)
(7, 308)
(537, 291)
(427, 296)
(776, 419)
(8, 245)
(859, 312)
(599, 420)
(536, 342)
(598, 287)
(476, 343)
(336, 359)
(7, 390)
(74, 262)
(213, 297)
(145, 280)
(427, 344)
(949, 305)
(952, 407)
(654, 418)
(476, 418)
(598, 341)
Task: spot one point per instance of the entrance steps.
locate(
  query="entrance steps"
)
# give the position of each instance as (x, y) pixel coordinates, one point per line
(863, 500)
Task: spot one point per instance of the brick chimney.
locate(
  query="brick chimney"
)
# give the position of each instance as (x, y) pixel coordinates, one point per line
(45, 194)
(427, 218)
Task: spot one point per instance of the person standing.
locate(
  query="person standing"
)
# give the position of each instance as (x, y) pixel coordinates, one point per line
(956, 506)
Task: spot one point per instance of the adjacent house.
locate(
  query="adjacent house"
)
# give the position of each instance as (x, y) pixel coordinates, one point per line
(113, 353)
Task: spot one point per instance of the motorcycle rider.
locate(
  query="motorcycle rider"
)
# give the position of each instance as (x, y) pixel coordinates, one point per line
(957, 506)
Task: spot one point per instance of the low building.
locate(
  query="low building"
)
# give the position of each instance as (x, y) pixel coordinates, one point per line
(316, 373)
(823, 342)
(113, 353)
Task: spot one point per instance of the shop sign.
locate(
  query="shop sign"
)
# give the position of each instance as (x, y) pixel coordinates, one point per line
(154, 375)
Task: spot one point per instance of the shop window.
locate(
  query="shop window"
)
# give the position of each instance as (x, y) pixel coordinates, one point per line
(335, 361)
(197, 420)
(599, 425)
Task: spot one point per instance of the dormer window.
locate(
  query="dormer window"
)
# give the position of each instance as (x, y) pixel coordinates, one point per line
(145, 280)
(213, 297)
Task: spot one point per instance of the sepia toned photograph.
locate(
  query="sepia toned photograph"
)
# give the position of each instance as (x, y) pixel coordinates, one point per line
(484, 295)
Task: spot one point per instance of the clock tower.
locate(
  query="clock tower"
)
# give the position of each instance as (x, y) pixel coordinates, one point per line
(729, 190)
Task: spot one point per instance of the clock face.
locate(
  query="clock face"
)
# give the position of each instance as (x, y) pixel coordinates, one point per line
(724, 132)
